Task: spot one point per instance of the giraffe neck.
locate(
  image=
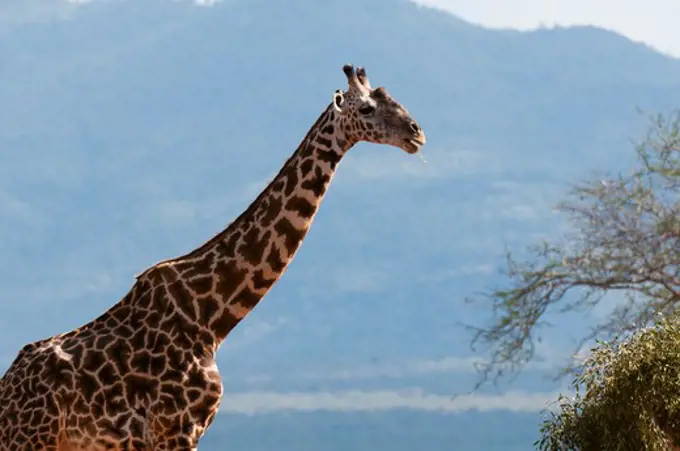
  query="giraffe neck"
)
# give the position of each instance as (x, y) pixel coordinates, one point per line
(211, 289)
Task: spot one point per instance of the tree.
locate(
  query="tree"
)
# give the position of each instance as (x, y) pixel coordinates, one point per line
(624, 237)
(627, 396)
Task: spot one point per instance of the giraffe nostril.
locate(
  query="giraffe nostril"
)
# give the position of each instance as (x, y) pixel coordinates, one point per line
(414, 127)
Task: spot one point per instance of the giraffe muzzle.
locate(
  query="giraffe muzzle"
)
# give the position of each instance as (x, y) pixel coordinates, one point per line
(415, 142)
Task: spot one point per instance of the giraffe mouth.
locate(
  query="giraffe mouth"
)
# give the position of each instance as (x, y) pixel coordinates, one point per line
(413, 145)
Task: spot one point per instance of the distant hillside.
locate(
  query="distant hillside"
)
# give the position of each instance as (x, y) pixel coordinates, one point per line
(132, 131)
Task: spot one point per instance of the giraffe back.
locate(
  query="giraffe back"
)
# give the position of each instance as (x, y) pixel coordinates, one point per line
(114, 384)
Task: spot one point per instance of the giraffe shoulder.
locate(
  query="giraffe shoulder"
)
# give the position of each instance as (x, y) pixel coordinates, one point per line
(27, 351)
(150, 269)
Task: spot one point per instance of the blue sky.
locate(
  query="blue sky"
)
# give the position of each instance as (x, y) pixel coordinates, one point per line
(651, 22)
(367, 318)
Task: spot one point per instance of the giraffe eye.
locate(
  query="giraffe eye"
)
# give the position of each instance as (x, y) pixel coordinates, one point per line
(366, 109)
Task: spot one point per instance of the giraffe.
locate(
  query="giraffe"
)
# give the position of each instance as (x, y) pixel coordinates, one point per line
(142, 376)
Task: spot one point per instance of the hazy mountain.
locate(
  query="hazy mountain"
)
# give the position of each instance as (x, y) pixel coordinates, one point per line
(133, 131)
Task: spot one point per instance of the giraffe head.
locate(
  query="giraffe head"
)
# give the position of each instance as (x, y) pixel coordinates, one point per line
(372, 115)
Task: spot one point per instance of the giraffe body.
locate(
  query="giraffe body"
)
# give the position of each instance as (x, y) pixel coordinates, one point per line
(142, 376)
(94, 389)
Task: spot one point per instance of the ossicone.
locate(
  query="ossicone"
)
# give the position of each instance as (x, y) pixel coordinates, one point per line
(363, 78)
(356, 79)
(348, 69)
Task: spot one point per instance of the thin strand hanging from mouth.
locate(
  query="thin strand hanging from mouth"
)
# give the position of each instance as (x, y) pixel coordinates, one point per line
(420, 155)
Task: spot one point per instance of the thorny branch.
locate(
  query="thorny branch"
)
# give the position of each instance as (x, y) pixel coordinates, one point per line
(625, 237)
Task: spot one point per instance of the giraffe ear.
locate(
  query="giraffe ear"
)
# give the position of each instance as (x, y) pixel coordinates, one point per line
(338, 101)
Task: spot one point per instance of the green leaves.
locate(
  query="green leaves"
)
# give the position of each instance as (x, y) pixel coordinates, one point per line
(627, 396)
